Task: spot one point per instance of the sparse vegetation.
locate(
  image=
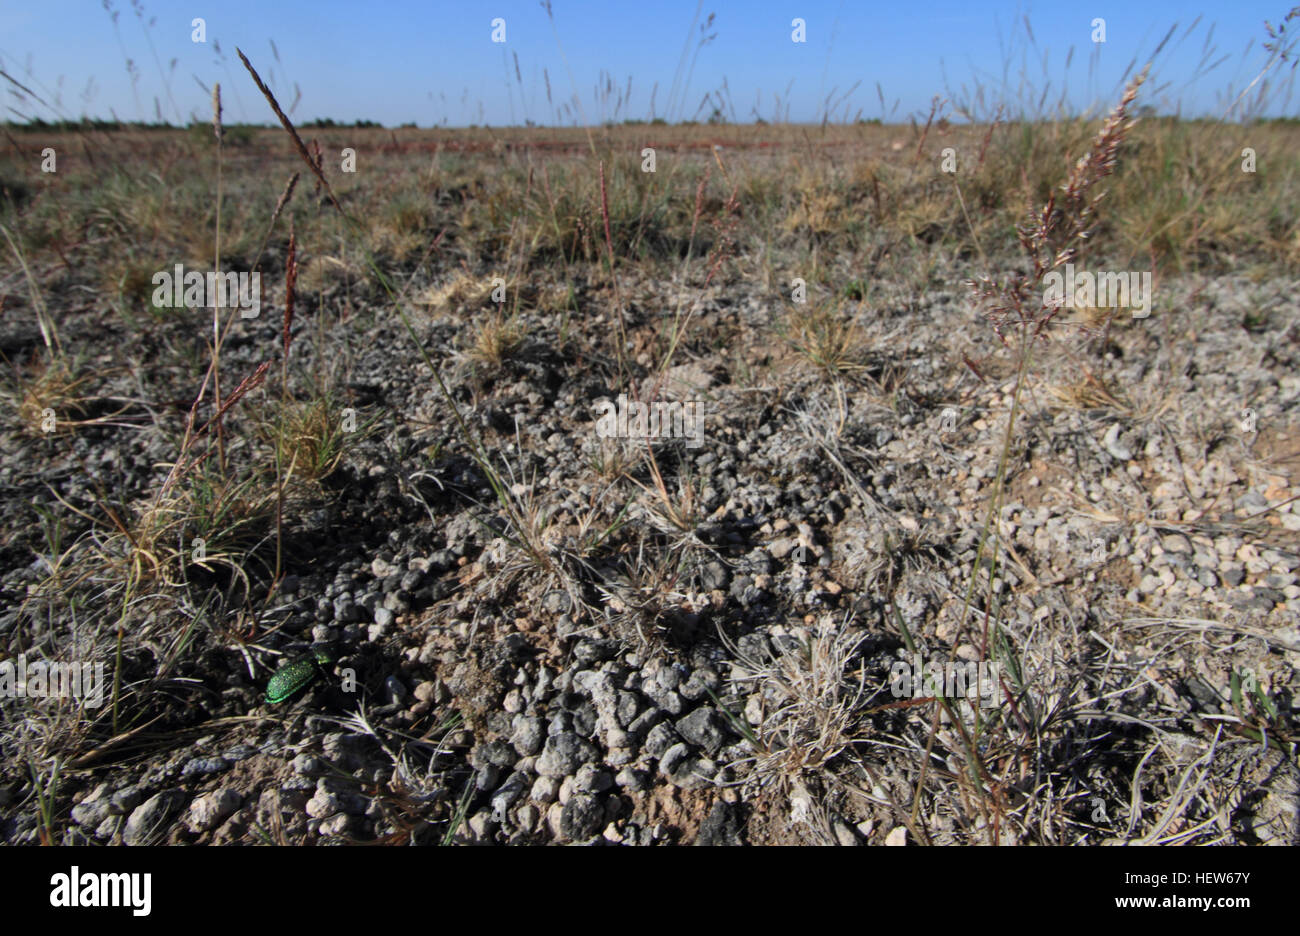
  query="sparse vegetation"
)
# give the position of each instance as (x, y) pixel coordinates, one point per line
(911, 453)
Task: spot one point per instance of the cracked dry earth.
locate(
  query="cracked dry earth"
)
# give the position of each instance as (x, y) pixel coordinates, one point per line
(727, 682)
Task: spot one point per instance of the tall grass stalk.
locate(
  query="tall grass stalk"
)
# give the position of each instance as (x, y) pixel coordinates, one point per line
(477, 451)
(216, 266)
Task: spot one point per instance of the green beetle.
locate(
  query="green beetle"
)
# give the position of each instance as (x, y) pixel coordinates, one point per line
(289, 680)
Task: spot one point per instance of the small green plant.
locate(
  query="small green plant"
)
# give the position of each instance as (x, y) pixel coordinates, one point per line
(46, 792)
(1259, 713)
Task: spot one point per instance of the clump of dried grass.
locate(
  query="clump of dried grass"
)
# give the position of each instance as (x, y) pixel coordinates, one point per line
(496, 337)
(53, 392)
(1089, 393)
(831, 342)
(810, 702)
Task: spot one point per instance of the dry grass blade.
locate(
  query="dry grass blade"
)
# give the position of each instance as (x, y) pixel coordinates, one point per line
(288, 126)
(290, 281)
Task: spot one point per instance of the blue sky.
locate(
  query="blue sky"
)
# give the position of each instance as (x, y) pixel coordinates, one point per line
(430, 62)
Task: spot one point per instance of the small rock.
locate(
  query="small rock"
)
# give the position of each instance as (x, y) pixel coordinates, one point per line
(628, 706)
(673, 757)
(714, 575)
(201, 766)
(308, 765)
(590, 651)
(496, 753)
(513, 702)
(94, 809)
(212, 809)
(556, 602)
(108, 828)
(545, 790)
(563, 753)
(704, 728)
(125, 800)
(394, 691)
(148, 821)
(701, 682)
(323, 804)
(780, 548)
(528, 735)
(566, 790)
(670, 677)
(631, 779)
(516, 646)
(346, 611)
(591, 779)
(554, 815)
(582, 817)
(338, 824)
(239, 752)
(843, 834)
(527, 817)
(659, 740)
(667, 699)
(720, 827)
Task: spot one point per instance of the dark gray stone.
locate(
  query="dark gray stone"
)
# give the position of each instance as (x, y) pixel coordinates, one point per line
(704, 728)
(202, 766)
(582, 817)
(563, 754)
(495, 753)
(595, 651)
(721, 826)
(714, 575)
(628, 706)
(659, 740)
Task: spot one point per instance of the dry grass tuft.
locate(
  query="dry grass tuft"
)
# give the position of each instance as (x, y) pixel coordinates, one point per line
(808, 700)
(496, 337)
(1089, 393)
(49, 398)
(831, 342)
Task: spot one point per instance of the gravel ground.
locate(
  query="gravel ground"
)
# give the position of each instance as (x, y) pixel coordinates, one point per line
(722, 684)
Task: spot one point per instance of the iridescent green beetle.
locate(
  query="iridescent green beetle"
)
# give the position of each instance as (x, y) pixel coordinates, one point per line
(289, 680)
